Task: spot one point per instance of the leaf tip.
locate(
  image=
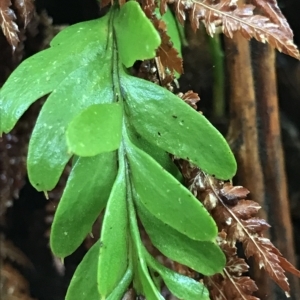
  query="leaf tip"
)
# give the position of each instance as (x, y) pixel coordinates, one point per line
(46, 195)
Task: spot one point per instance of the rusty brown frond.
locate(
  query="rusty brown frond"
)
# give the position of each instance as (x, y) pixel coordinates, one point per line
(273, 12)
(167, 57)
(8, 18)
(268, 26)
(191, 98)
(25, 10)
(237, 222)
(232, 284)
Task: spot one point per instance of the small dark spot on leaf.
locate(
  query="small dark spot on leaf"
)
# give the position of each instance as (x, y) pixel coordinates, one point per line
(101, 244)
(175, 117)
(159, 133)
(155, 274)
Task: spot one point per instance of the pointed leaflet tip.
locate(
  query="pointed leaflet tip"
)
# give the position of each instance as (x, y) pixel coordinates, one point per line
(46, 195)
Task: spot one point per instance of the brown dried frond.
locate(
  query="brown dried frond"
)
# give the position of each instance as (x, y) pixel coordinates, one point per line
(7, 22)
(168, 56)
(190, 98)
(267, 256)
(148, 8)
(237, 222)
(269, 27)
(25, 10)
(8, 18)
(232, 284)
(273, 12)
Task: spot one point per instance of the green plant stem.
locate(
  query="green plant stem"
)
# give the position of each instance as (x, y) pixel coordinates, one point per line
(218, 75)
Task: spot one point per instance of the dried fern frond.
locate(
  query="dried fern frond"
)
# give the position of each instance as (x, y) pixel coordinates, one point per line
(168, 55)
(268, 26)
(167, 58)
(8, 18)
(7, 21)
(273, 12)
(237, 222)
(232, 284)
(25, 10)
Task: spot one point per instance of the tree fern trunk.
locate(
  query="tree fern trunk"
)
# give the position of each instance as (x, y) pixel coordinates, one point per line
(271, 156)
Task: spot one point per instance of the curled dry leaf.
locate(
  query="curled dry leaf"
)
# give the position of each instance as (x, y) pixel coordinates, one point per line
(246, 209)
(190, 98)
(231, 194)
(7, 22)
(270, 26)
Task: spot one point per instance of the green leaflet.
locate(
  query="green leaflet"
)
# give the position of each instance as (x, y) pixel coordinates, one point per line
(48, 150)
(84, 284)
(122, 286)
(142, 281)
(161, 156)
(97, 129)
(85, 195)
(167, 199)
(113, 258)
(181, 286)
(203, 257)
(84, 281)
(42, 73)
(149, 289)
(176, 127)
(134, 28)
